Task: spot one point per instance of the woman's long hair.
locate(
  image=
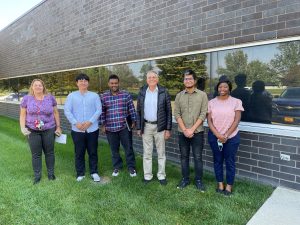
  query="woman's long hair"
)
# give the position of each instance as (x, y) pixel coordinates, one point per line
(45, 92)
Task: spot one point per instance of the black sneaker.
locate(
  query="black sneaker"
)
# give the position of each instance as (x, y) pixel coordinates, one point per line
(51, 177)
(36, 180)
(163, 182)
(199, 185)
(146, 181)
(183, 183)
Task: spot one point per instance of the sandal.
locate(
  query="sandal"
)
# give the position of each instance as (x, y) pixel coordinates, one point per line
(220, 191)
(227, 193)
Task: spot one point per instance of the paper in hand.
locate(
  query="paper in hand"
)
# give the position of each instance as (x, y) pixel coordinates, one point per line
(62, 139)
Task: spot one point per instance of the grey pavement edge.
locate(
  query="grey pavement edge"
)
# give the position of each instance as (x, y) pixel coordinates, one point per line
(281, 208)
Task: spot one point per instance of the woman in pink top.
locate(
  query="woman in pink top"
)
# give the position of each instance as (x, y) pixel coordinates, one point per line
(224, 114)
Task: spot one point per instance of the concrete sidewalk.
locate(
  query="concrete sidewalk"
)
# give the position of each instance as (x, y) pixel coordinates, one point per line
(282, 208)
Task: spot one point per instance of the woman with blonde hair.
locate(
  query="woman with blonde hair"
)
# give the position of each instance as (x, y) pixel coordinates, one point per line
(39, 121)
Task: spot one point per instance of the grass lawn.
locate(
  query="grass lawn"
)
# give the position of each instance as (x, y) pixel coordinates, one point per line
(123, 200)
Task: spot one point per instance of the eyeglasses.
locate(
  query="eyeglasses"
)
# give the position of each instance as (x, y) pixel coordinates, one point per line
(152, 78)
(188, 78)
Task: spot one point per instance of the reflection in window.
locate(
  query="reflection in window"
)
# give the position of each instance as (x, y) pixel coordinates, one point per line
(3, 90)
(127, 78)
(132, 76)
(260, 74)
(171, 69)
(94, 75)
(266, 78)
(140, 70)
(14, 89)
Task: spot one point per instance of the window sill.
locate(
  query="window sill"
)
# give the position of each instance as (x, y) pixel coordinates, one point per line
(273, 129)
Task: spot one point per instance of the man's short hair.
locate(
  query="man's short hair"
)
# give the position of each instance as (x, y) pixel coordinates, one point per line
(240, 79)
(82, 76)
(113, 77)
(189, 72)
(258, 86)
(152, 71)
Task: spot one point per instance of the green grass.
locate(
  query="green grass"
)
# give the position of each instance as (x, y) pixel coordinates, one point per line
(124, 200)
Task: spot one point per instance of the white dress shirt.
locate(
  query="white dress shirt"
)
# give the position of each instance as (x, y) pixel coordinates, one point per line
(150, 109)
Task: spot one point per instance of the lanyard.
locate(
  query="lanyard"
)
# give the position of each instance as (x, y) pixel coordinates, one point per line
(38, 123)
(38, 104)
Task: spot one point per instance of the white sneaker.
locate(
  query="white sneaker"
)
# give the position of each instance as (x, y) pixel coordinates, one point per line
(95, 177)
(115, 173)
(80, 178)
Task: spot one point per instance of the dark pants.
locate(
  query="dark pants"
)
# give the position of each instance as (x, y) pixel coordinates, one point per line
(114, 140)
(228, 154)
(185, 145)
(42, 141)
(82, 142)
(131, 140)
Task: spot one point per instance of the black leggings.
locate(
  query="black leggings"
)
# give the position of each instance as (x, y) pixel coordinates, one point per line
(42, 141)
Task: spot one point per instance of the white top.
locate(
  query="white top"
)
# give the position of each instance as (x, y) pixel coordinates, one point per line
(150, 109)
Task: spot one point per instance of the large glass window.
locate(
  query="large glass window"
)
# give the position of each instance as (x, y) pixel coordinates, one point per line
(266, 78)
(171, 69)
(14, 89)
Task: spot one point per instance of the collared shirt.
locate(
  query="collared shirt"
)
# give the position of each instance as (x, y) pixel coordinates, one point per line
(115, 110)
(150, 108)
(190, 108)
(83, 107)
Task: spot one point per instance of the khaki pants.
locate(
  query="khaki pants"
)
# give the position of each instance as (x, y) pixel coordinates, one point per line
(150, 132)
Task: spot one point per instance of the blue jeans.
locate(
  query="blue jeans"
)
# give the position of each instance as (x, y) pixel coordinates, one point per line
(228, 154)
(82, 142)
(114, 140)
(185, 145)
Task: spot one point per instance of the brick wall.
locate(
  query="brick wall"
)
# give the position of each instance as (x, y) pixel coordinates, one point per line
(58, 35)
(258, 157)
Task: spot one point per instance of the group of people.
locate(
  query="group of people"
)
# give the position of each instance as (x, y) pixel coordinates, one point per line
(115, 112)
(257, 102)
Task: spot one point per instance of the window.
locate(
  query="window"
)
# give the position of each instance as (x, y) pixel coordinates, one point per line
(266, 78)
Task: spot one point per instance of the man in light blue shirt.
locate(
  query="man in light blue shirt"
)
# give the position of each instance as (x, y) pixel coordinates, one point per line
(82, 109)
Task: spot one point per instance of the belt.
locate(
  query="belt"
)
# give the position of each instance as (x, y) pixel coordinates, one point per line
(151, 122)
